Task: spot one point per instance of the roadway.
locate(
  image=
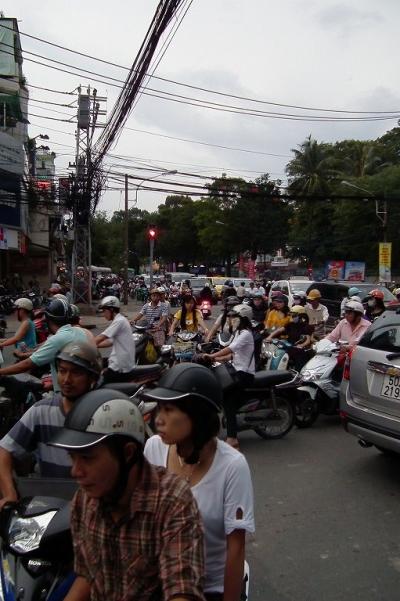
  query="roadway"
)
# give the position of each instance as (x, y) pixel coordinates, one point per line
(326, 515)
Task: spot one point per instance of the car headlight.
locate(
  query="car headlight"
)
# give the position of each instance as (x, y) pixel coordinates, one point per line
(26, 533)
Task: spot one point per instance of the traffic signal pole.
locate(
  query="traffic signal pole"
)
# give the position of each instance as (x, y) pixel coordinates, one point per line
(151, 261)
(126, 242)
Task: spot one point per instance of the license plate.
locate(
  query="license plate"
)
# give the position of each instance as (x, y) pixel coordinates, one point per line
(391, 387)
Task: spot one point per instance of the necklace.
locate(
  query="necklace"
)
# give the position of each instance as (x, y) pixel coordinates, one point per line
(182, 464)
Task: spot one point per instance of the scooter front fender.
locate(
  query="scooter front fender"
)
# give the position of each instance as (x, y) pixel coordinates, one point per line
(309, 390)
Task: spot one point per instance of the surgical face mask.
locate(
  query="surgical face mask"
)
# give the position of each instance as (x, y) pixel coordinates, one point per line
(371, 302)
(235, 322)
(296, 301)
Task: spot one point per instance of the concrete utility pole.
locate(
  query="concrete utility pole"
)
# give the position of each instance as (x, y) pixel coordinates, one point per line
(88, 110)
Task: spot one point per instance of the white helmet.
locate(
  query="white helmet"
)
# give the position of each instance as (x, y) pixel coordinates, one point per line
(109, 302)
(242, 311)
(355, 306)
(61, 297)
(23, 303)
(396, 291)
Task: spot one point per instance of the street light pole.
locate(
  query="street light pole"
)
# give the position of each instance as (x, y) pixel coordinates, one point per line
(380, 207)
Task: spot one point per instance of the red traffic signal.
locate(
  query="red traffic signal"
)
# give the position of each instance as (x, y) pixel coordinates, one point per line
(152, 233)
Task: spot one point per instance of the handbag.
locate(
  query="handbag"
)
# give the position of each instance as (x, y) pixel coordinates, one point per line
(226, 375)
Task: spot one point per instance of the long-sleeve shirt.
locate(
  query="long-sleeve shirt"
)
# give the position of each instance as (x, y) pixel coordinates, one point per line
(345, 331)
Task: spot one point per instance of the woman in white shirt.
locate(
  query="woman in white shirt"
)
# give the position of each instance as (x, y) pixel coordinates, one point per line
(241, 353)
(189, 398)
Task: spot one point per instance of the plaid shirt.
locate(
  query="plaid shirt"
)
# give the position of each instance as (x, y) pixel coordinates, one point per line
(153, 553)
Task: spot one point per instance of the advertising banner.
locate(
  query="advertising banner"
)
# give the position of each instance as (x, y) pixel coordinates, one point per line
(354, 271)
(385, 261)
(11, 154)
(8, 64)
(335, 270)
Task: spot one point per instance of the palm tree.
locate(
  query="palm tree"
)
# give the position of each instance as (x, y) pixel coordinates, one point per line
(311, 169)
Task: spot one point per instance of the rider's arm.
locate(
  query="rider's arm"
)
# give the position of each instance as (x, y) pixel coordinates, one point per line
(137, 317)
(275, 334)
(214, 329)
(335, 335)
(325, 314)
(223, 353)
(200, 322)
(19, 334)
(233, 578)
(79, 591)
(305, 342)
(17, 368)
(7, 488)
(103, 341)
(173, 326)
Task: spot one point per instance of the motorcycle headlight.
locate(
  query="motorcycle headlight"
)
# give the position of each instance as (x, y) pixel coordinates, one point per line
(25, 534)
(136, 336)
(310, 375)
(166, 348)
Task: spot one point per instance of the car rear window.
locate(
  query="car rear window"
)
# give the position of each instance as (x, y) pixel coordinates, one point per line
(385, 338)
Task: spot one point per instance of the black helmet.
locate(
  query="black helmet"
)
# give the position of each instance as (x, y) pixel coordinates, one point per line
(82, 354)
(187, 380)
(58, 311)
(97, 416)
(231, 301)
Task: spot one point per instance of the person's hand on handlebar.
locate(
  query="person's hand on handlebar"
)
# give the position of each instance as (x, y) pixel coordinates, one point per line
(8, 499)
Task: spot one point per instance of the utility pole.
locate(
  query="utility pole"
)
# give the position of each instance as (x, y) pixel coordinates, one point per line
(87, 112)
(381, 213)
(126, 259)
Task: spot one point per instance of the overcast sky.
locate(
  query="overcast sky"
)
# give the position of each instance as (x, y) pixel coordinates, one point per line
(316, 53)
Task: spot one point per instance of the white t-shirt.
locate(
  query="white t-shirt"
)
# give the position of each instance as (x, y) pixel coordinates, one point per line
(224, 489)
(122, 357)
(242, 348)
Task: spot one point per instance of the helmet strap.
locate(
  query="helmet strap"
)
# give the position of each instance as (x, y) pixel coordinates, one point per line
(125, 467)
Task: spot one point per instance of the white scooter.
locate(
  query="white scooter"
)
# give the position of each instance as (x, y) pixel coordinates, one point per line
(318, 383)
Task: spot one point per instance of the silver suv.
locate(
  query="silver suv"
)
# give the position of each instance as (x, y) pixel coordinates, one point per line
(370, 390)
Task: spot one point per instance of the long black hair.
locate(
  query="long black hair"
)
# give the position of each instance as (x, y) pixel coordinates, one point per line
(205, 423)
(184, 311)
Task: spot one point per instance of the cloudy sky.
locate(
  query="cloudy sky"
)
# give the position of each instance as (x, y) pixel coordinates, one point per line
(309, 53)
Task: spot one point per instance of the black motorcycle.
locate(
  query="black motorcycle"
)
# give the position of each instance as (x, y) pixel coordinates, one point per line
(36, 545)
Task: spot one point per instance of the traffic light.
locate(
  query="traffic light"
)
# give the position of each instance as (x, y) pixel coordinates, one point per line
(152, 233)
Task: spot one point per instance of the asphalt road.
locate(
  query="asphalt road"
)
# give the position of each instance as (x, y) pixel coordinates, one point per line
(327, 515)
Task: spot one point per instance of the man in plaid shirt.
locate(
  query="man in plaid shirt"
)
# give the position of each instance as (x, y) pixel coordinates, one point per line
(136, 528)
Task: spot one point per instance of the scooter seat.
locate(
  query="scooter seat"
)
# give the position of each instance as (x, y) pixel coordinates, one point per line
(128, 388)
(271, 377)
(145, 370)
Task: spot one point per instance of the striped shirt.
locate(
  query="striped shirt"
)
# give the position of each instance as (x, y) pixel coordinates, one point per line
(33, 431)
(154, 313)
(154, 552)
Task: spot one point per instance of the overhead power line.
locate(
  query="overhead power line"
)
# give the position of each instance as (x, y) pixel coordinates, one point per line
(203, 89)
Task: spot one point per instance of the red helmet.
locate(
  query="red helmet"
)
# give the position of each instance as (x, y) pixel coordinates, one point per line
(376, 294)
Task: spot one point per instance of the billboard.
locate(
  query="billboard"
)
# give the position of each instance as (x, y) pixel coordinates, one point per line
(354, 271)
(11, 154)
(335, 270)
(385, 261)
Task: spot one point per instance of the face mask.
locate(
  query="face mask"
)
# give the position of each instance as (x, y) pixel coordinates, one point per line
(371, 303)
(295, 319)
(296, 302)
(235, 322)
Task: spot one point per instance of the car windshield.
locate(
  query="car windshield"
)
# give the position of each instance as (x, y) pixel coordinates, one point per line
(385, 338)
(218, 281)
(198, 282)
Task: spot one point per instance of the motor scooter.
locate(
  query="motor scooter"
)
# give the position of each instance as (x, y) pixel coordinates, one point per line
(318, 383)
(205, 309)
(36, 547)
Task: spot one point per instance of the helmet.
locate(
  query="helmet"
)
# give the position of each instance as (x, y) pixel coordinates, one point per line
(23, 303)
(187, 380)
(155, 291)
(75, 311)
(82, 354)
(281, 297)
(356, 298)
(61, 296)
(54, 288)
(314, 294)
(160, 289)
(229, 283)
(275, 294)
(355, 306)
(97, 416)
(353, 291)
(231, 301)
(58, 311)
(298, 309)
(258, 294)
(242, 311)
(109, 302)
(299, 294)
(376, 293)
(396, 291)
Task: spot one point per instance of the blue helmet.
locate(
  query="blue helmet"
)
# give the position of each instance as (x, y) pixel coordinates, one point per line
(354, 291)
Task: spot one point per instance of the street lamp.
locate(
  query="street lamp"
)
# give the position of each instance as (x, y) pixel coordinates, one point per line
(41, 136)
(380, 206)
(162, 173)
